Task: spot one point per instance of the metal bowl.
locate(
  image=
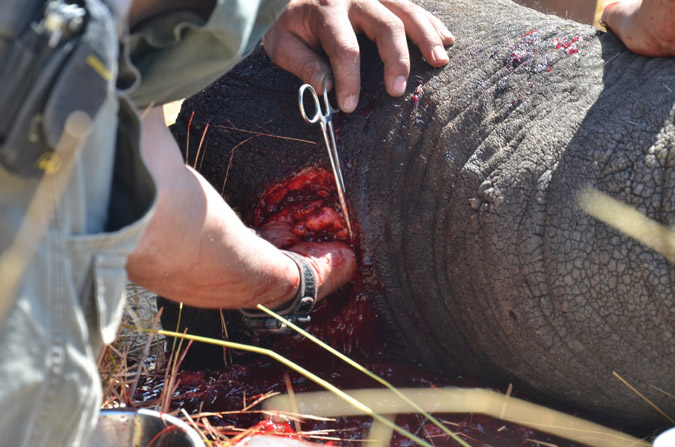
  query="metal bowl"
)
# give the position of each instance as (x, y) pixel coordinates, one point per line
(665, 439)
(142, 428)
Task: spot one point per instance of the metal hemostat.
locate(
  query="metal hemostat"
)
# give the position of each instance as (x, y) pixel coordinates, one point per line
(326, 121)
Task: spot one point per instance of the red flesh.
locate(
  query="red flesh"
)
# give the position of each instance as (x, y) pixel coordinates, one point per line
(347, 321)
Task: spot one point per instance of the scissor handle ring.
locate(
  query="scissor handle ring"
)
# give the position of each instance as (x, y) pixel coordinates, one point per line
(317, 104)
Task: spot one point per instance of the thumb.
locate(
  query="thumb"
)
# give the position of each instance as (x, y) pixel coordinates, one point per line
(610, 15)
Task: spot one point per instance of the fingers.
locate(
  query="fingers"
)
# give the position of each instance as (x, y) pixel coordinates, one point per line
(307, 26)
(302, 30)
(389, 24)
(388, 31)
(334, 263)
(296, 55)
(427, 32)
(338, 40)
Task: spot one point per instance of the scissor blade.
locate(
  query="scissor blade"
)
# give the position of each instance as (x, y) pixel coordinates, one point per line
(341, 196)
(337, 173)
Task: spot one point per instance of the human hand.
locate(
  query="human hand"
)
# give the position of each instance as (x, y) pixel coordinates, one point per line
(306, 26)
(646, 27)
(334, 262)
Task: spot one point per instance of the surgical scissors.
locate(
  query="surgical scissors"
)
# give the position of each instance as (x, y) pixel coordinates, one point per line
(326, 121)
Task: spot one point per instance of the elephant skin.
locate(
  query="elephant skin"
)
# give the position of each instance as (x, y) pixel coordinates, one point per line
(465, 194)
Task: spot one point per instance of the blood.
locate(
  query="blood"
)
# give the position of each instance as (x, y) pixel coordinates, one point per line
(532, 50)
(569, 45)
(415, 97)
(311, 183)
(236, 387)
(348, 321)
(367, 105)
(308, 203)
(274, 427)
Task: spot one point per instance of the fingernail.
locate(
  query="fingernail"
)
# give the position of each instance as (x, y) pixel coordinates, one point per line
(439, 54)
(399, 84)
(447, 35)
(349, 104)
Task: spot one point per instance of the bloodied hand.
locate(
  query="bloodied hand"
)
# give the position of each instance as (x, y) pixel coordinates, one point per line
(307, 26)
(302, 214)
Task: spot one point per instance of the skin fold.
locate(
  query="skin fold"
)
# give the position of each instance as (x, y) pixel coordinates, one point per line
(465, 194)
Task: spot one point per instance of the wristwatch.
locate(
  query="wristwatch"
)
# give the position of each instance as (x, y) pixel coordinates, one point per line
(296, 311)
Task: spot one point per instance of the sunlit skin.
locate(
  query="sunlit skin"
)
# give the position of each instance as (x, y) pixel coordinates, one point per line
(196, 249)
(646, 27)
(307, 26)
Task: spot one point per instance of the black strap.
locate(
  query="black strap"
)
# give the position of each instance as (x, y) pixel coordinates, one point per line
(296, 311)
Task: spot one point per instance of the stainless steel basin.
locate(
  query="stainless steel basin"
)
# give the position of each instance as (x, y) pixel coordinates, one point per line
(142, 428)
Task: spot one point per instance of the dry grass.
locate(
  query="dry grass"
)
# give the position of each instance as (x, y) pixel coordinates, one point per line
(137, 355)
(133, 354)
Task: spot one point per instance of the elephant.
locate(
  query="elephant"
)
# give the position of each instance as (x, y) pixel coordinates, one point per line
(465, 195)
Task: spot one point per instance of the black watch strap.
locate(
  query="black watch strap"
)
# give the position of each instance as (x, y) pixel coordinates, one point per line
(298, 309)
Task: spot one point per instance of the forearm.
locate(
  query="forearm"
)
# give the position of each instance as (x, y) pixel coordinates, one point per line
(196, 249)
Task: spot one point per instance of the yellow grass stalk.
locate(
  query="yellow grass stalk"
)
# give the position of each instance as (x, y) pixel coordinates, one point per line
(488, 402)
(629, 221)
(365, 371)
(643, 397)
(460, 400)
(363, 409)
(291, 396)
(194, 426)
(662, 391)
(380, 434)
(199, 148)
(263, 134)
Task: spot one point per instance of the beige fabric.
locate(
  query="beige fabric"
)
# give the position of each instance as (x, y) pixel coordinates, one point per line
(70, 300)
(178, 54)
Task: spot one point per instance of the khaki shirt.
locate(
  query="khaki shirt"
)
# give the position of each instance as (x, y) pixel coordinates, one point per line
(178, 54)
(71, 297)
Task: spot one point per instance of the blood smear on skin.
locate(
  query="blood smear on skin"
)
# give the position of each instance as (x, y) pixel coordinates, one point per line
(569, 45)
(348, 321)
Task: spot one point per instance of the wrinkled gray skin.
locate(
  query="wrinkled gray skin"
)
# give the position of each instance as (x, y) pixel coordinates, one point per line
(465, 196)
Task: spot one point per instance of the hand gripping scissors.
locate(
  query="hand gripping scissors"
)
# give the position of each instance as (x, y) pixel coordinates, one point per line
(326, 121)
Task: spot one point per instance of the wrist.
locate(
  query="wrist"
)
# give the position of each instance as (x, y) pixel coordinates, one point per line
(296, 310)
